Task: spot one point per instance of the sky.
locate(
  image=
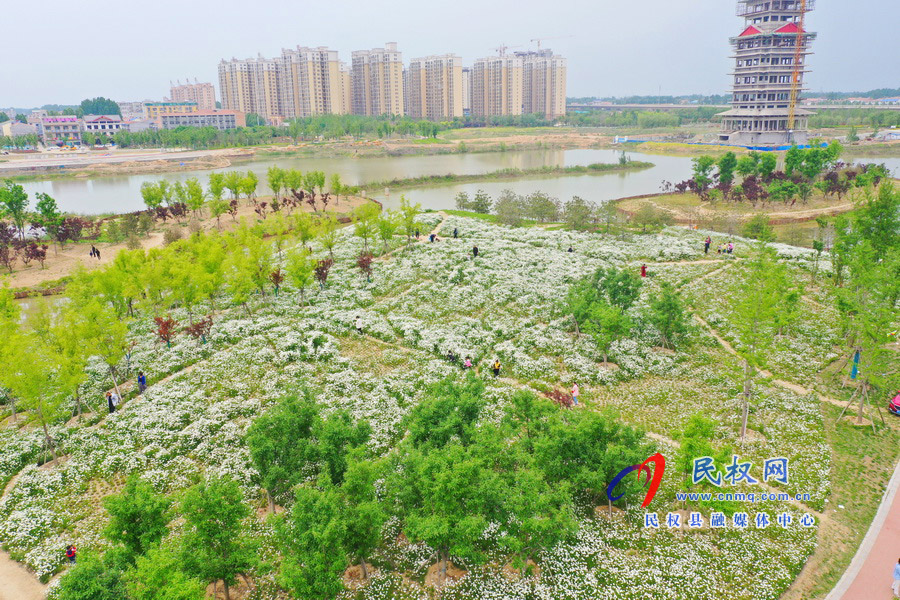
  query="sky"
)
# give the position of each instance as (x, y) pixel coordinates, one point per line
(60, 52)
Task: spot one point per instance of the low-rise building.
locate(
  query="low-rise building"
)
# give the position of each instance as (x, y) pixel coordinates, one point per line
(103, 124)
(220, 119)
(153, 110)
(132, 110)
(64, 129)
(136, 125)
(15, 129)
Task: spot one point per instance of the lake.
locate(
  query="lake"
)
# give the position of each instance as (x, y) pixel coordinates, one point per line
(118, 194)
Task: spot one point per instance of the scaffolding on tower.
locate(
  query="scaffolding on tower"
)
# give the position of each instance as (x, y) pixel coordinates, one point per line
(799, 46)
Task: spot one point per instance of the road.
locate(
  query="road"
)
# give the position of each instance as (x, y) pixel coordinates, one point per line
(870, 573)
(77, 159)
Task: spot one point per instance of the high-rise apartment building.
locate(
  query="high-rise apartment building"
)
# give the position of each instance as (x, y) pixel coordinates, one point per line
(497, 86)
(376, 81)
(204, 94)
(434, 87)
(252, 85)
(770, 50)
(312, 82)
(467, 90)
(543, 83)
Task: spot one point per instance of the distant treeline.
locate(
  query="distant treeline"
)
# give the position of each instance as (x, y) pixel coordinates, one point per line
(855, 117)
(641, 119)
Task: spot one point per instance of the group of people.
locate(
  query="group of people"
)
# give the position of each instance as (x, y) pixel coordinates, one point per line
(94, 252)
(112, 398)
(722, 249)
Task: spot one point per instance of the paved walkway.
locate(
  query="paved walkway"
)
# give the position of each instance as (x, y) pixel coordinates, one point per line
(870, 573)
(16, 583)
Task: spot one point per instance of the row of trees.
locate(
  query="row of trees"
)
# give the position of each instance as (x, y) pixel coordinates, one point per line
(29, 140)
(449, 478)
(143, 562)
(805, 171)
(538, 207)
(46, 358)
(600, 304)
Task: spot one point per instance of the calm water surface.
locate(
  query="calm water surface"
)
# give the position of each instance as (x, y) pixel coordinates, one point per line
(122, 193)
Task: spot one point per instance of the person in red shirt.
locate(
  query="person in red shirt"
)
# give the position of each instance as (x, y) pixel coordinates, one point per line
(643, 270)
(71, 553)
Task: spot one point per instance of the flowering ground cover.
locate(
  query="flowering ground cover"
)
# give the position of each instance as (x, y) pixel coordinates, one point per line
(422, 302)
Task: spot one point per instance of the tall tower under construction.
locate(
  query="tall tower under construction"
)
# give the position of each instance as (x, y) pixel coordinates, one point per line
(770, 64)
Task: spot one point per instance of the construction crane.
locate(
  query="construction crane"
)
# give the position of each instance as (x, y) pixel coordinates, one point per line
(502, 48)
(799, 46)
(544, 39)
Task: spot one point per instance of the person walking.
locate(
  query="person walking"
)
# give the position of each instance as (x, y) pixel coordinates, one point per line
(358, 324)
(706, 245)
(93, 251)
(455, 233)
(474, 251)
(496, 367)
(96, 254)
(643, 270)
(72, 554)
(142, 382)
(575, 394)
(895, 586)
(417, 234)
(109, 403)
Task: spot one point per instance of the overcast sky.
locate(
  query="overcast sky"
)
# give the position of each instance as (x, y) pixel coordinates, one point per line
(60, 51)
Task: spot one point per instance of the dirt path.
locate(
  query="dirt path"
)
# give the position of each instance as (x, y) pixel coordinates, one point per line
(16, 583)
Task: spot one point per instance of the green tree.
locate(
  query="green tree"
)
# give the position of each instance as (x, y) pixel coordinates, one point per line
(510, 208)
(748, 164)
(449, 411)
(312, 540)
(99, 106)
(254, 120)
(336, 187)
(757, 300)
(386, 224)
(448, 495)
(337, 438)
(215, 545)
(481, 203)
(216, 185)
(49, 216)
(194, 195)
(328, 232)
(606, 323)
(93, 578)
(668, 315)
(767, 164)
(275, 179)
(758, 228)
(152, 195)
(138, 517)
(727, 165)
(300, 269)
(408, 214)
(159, 575)
(364, 217)
(702, 171)
(579, 213)
(14, 205)
(585, 450)
(281, 444)
(233, 182)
